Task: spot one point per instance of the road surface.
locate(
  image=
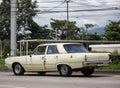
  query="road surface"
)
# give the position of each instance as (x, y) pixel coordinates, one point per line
(53, 80)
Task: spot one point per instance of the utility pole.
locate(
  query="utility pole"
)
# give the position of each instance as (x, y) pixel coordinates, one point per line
(67, 2)
(13, 27)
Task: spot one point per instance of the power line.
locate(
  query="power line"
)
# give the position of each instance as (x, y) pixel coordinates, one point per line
(49, 1)
(82, 10)
(74, 16)
(55, 6)
(81, 4)
(84, 4)
(73, 6)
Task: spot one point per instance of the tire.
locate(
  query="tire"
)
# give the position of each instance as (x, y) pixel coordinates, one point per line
(18, 69)
(65, 70)
(42, 73)
(87, 71)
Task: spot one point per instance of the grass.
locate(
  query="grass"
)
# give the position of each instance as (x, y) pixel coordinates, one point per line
(2, 63)
(112, 67)
(115, 66)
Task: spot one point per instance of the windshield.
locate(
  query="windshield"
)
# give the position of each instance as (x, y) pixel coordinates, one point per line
(75, 48)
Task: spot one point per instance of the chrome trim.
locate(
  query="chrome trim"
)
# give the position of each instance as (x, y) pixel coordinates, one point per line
(96, 63)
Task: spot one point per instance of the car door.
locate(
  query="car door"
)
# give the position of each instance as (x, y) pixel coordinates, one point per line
(36, 61)
(51, 57)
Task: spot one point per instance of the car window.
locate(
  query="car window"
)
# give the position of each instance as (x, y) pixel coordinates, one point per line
(75, 48)
(40, 50)
(52, 50)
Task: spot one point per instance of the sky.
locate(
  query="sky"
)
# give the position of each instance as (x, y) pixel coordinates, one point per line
(101, 17)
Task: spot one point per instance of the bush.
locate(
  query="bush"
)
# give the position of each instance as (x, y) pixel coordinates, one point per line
(115, 56)
(6, 47)
(2, 62)
(115, 65)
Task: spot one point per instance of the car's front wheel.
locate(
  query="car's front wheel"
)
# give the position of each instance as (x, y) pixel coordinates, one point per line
(64, 70)
(87, 71)
(18, 69)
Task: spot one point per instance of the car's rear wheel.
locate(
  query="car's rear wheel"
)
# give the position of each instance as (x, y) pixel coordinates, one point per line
(87, 71)
(18, 69)
(42, 73)
(64, 70)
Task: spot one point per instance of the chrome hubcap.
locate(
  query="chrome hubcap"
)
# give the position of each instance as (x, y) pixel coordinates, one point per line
(64, 69)
(17, 68)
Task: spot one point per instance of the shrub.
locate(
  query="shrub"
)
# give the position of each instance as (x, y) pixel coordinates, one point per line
(115, 57)
(6, 47)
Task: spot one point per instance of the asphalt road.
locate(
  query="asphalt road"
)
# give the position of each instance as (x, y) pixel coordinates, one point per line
(53, 80)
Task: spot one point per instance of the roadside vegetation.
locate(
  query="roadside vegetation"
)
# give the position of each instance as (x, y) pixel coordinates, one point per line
(2, 63)
(115, 65)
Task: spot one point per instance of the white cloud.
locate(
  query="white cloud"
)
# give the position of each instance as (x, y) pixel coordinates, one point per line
(93, 2)
(95, 17)
(86, 21)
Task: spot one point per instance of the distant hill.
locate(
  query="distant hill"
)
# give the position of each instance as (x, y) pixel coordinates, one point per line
(100, 30)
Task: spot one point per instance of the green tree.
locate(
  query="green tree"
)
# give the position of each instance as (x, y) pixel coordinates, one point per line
(5, 19)
(39, 32)
(112, 30)
(94, 36)
(26, 12)
(87, 26)
(6, 47)
(61, 27)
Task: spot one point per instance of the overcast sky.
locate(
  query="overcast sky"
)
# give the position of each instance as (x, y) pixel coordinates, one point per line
(81, 17)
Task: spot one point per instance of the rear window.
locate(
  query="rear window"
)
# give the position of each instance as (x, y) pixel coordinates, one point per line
(75, 48)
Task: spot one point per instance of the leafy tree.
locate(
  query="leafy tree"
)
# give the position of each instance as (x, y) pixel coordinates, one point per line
(39, 32)
(94, 36)
(5, 19)
(61, 27)
(6, 47)
(26, 12)
(26, 27)
(112, 30)
(87, 26)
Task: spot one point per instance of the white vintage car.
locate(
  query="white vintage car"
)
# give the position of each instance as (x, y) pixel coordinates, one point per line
(62, 57)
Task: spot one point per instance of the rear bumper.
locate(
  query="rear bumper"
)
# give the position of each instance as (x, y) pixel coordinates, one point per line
(96, 63)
